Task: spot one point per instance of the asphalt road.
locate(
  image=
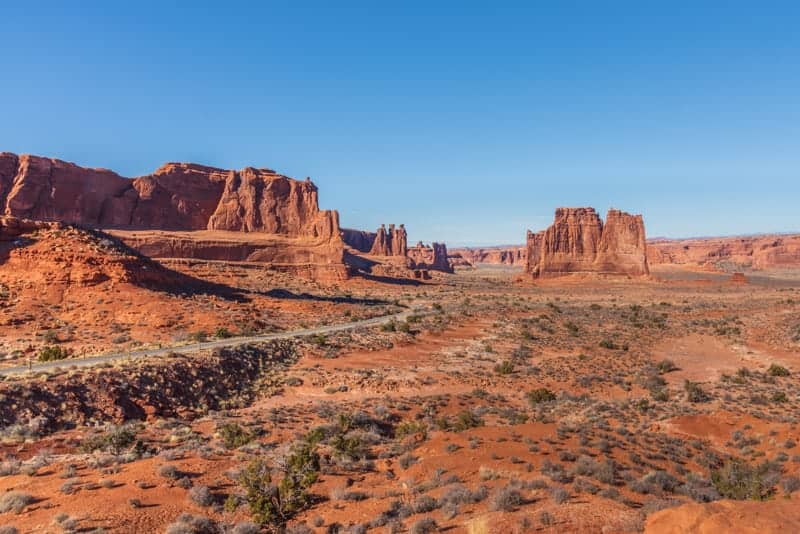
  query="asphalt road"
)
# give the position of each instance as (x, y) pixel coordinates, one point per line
(205, 345)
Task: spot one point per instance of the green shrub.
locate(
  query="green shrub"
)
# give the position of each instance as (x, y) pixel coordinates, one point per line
(273, 505)
(777, 370)
(540, 395)
(222, 333)
(737, 479)
(694, 393)
(53, 353)
(466, 420)
(234, 436)
(116, 440)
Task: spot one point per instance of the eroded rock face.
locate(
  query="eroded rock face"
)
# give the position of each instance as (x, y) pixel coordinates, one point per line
(282, 214)
(578, 242)
(502, 255)
(728, 253)
(358, 239)
(432, 257)
(178, 196)
(391, 242)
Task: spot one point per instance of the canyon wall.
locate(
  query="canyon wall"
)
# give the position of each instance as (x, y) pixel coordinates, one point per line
(183, 210)
(579, 242)
(178, 196)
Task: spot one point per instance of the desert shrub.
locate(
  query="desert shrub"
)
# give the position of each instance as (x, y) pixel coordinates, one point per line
(505, 499)
(193, 524)
(426, 525)
(655, 483)
(53, 353)
(14, 500)
(222, 333)
(504, 368)
(555, 472)
(694, 393)
(465, 420)
(559, 495)
(246, 527)
(201, 496)
(8, 529)
(540, 395)
(271, 504)
(790, 484)
(666, 366)
(737, 479)
(170, 471)
(234, 436)
(424, 504)
(699, 489)
(115, 441)
(777, 370)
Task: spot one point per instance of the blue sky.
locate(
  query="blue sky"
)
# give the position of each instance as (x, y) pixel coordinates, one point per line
(468, 121)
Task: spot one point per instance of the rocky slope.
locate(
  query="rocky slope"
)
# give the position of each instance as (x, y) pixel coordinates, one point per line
(579, 242)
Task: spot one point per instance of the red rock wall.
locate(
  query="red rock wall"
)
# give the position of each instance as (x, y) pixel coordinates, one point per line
(578, 242)
(358, 239)
(178, 196)
(754, 252)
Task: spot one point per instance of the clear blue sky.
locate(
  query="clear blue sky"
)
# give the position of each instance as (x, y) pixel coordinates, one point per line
(467, 121)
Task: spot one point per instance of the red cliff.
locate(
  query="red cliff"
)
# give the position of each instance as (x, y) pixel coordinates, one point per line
(391, 242)
(432, 257)
(579, 242)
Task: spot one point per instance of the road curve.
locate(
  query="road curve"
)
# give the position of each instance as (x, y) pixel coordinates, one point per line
(205, 345)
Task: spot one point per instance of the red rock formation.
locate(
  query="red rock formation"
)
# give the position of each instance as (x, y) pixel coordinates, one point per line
(392, 242)
(622, 247)
(502, 255)
(728, 253)
(577, 242)
(183, 197)
(360, 240)
(533, 250)
(178, 196)
(432, 257)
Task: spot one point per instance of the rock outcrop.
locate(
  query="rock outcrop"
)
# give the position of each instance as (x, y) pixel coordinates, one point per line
(359, 240)
(391, 242)
(182, 197)
(728, 253)
(502, 255)
(579, 242)
(178, 196)
(432, 257)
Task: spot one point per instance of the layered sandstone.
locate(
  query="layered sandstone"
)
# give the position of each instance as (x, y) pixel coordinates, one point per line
(178, 196)
(502, 255)
(728, 253)
(359, 240)
(183, 197)
(579, 242)
(432, 257)
(391, 242)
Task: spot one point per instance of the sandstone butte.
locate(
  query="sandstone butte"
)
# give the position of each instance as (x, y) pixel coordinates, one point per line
(579, 242)
(183, 210)
(392, 243)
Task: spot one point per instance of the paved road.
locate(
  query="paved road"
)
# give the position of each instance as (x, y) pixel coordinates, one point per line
(194, 347)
